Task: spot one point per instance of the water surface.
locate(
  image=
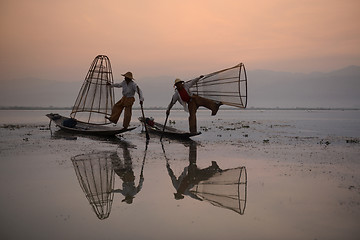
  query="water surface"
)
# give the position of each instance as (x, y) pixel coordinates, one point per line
(228, 183)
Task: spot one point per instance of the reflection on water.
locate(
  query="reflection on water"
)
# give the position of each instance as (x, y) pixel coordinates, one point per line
(124, 169)
(226, 189)
(96, 177)
(61, 134)
(95, 172)
(223, 188)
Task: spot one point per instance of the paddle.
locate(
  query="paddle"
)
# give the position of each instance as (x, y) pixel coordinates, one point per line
(143, 115)
(162, 133)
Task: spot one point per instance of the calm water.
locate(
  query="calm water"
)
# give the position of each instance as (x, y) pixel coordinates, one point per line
(324, 122)
(55, 186)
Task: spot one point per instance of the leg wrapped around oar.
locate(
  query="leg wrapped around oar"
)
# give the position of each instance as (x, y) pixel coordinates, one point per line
(192, 117)
(204, 102)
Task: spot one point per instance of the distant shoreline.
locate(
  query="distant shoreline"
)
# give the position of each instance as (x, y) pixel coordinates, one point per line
(164, 108)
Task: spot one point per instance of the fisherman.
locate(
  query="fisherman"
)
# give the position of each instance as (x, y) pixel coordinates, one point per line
(129, 87)
(191, 102)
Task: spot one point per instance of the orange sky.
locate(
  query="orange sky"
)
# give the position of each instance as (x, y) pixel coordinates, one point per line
(57, 40)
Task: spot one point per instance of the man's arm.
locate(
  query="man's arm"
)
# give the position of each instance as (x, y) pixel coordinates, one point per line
(191, 82)
(173, 101)
(117, 85)
(141, 96)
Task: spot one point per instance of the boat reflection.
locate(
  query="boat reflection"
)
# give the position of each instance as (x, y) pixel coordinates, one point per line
(60, 134)
(225, 188)
(96, 175)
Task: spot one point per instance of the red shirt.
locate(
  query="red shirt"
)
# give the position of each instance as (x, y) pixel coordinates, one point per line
(184, 95)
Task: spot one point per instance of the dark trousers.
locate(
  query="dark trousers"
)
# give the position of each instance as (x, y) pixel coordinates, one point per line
(194, 104)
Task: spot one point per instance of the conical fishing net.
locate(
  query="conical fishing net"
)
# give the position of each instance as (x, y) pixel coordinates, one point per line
(96, 177)
(96, 97)
(226, 189)
(228, 86)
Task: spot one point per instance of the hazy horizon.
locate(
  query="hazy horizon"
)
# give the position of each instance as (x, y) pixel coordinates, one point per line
(48, 46)
(266, 89)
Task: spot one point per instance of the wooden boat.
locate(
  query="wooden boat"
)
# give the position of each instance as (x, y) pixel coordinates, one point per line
(170, 132)
(93, 104)
(86, 128)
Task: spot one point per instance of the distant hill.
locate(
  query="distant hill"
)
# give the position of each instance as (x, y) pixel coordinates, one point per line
(337, 89)
(38, 92)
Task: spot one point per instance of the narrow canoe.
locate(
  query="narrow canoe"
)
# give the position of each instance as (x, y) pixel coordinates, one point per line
(171, 132)
(86, 128)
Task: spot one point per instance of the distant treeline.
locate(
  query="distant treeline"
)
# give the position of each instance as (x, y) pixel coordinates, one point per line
(179, 108)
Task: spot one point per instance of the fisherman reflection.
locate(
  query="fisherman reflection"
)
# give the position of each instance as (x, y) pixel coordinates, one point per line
(124, 169)
(191, 175)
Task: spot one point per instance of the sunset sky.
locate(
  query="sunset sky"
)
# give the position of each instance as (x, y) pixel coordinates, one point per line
(57, 40)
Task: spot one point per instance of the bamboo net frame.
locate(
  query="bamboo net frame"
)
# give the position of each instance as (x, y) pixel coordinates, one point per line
(226, 189)
(96, 178)
(228, 86)
(96, 97)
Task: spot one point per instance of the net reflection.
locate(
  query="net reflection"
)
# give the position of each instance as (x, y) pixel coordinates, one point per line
(225, 188)
(96, 175)
(96, 178)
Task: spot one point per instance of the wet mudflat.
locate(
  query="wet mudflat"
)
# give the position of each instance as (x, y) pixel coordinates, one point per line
(251, 175)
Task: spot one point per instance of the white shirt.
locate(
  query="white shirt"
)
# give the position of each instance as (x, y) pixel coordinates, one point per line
(176, 97)
(129, 89)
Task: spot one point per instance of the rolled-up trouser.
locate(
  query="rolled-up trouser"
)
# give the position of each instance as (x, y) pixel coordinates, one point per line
(195, 102)
(124, 102)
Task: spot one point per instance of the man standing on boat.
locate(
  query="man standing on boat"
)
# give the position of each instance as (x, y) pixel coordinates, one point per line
(129, 87)
(191, 102)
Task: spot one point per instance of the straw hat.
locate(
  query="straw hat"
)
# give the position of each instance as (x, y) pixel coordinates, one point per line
(128, 75)
(177, 81)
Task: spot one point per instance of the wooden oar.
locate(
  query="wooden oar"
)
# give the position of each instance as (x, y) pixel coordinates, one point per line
(143, 115)
(162, 133)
